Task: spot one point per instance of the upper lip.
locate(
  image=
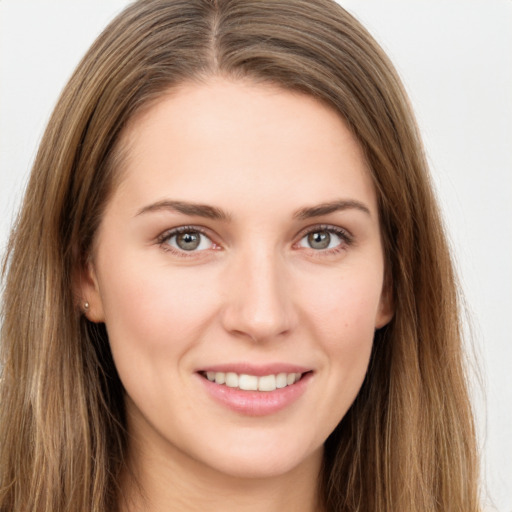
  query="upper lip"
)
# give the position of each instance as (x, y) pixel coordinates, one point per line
(257, 370)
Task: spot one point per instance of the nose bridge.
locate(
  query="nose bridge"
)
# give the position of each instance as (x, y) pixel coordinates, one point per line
(259, 304)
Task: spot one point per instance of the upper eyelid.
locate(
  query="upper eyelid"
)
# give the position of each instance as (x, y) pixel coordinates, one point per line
(325, 227)
(168, 233)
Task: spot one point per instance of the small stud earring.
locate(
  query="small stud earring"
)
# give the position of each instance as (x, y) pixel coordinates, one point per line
(86, 305)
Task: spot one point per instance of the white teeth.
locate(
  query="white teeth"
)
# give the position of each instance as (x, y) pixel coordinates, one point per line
(252, 382)
(267, 383)
(248, 382)
(282, 380)
(231, 380)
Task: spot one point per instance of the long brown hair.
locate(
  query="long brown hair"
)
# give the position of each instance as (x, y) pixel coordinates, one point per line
(408, 442)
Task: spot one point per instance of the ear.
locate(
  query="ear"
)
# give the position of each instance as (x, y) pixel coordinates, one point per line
(386, 308)
(87, 292)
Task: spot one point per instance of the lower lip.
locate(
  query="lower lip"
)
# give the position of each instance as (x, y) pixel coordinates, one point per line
(256, 403)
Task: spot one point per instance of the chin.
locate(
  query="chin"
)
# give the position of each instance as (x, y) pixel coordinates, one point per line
(246, 462)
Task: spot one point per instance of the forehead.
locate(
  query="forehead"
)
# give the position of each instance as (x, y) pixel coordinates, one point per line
(208, 141)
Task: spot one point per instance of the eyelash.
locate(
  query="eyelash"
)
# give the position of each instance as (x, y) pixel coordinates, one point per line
(346, 239)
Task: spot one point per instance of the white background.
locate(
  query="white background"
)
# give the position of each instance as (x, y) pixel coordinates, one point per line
(455, 57)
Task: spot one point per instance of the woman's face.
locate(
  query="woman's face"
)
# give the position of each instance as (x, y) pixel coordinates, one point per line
(239, 271)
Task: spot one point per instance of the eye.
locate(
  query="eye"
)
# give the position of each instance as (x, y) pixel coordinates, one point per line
(324, 239)
(186, 239)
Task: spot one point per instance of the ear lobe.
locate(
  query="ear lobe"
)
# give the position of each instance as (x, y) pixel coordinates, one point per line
(87, 291)
(386, 308)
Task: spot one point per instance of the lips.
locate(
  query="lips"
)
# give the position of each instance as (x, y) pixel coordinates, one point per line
(256, 391)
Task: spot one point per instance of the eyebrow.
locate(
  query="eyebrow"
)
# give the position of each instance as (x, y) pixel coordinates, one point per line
(331, 207)
(186, 208)
(214, 213)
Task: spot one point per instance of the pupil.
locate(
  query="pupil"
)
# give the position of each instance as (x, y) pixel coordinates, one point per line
(319, 239)
(188, 241)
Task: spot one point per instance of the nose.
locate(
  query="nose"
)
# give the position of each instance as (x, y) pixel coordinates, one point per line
(258, 302)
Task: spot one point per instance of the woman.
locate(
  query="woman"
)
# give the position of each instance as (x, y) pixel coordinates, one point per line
(229, 284)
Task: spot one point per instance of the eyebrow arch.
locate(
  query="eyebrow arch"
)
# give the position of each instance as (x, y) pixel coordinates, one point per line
(327, 208)
(194, 209)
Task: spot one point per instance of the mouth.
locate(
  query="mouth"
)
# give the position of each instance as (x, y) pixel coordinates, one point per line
(248, 382)
(256, 391)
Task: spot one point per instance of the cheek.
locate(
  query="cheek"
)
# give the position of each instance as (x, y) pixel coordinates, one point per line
(155, 309)
(348, 308)
(342, 317)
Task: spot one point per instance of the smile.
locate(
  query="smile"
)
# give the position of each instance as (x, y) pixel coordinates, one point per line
(248, 382)
(256, 391)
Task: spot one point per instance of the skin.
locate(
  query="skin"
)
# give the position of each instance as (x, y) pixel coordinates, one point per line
(254, 291)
